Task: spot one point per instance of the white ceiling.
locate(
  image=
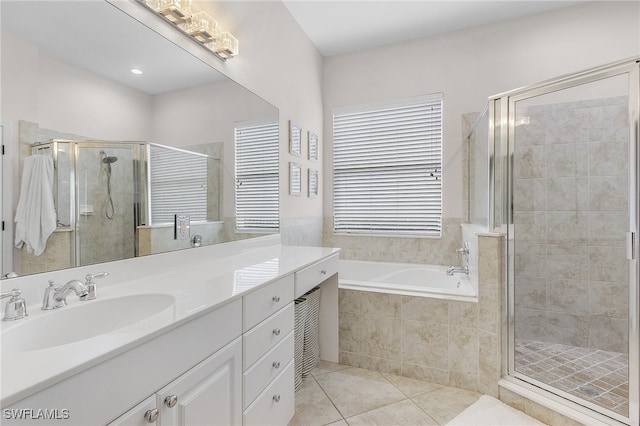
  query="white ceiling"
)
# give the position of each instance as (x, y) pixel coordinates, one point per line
(339, 27)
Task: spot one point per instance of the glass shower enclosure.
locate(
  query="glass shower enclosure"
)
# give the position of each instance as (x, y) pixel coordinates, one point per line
(565, 180)
(106, 192)
(96, 193)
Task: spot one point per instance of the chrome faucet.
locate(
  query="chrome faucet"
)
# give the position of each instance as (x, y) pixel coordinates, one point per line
(56, 297)
(15, 308)
(464, 252)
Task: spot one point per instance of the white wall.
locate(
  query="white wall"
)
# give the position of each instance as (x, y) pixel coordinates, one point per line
(278, 62)
(469, 66)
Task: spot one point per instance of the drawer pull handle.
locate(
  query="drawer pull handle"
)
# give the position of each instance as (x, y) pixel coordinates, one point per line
(171, 401)
(276, 331)
(151, 415)
(323, 272)
(276, 397)
(276, 364)
(276, 299)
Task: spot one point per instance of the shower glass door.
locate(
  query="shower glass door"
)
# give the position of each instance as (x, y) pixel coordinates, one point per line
(569, 277)
(105, 197)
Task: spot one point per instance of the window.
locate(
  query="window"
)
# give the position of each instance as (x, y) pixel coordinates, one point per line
(178, 184)
(257, 182)
(387, 167)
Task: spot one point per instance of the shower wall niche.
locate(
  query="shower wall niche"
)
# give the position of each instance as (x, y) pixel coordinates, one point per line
(116, 200)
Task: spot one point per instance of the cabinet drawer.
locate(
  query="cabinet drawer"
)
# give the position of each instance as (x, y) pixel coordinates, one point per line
(267, 334)
(276, 405)
(263, 302)
(266, 369)
(311, 276)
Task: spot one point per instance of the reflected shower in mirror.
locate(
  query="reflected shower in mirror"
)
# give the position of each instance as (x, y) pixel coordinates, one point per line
(71, 81)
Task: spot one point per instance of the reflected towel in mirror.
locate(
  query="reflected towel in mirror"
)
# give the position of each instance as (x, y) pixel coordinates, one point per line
(35, 214)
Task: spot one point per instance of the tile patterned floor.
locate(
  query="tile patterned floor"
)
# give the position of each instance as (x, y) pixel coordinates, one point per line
(596, 376)
(340, 395)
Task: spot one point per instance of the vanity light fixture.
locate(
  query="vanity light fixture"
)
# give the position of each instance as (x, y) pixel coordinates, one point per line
(224, 44)
(136, 71)
(175, 11)
(199, 26)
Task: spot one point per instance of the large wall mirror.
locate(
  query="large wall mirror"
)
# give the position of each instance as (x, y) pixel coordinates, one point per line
(142, 162)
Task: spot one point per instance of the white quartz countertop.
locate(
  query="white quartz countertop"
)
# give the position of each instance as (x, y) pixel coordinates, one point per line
(198, 284)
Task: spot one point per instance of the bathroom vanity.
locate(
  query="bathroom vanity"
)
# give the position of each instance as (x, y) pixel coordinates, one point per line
(202, 339)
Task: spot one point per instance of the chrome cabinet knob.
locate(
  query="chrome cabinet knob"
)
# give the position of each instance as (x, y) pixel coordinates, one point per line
(171, 401)
(276, 364)
(276, 331)
(151, 415)
(276, 299)
(276, 397)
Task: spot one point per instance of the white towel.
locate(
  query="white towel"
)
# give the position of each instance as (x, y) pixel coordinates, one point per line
(36, 214)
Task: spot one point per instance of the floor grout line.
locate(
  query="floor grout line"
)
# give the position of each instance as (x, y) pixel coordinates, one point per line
(407, 397)
(598, 368)
(327, 395)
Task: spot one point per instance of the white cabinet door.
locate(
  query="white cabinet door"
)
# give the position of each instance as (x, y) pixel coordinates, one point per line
(209, 394)
(136, 416)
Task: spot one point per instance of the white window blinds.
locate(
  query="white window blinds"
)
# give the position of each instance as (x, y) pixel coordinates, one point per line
(257, 182)
(387, 167)
(178, 184)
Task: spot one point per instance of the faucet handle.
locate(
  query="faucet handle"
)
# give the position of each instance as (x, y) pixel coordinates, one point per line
(49, 301)
(16, 307)
(91, 285)
(464, 249)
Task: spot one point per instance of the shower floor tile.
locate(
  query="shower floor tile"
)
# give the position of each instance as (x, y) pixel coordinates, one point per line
(599, 377)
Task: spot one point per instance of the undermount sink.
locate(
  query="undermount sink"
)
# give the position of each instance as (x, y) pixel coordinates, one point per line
(82, 321)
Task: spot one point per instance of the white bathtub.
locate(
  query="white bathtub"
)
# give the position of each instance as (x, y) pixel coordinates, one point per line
(405, 279)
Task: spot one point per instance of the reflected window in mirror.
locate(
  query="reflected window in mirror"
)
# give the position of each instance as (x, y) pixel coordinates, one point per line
(257, 182)
(179, 183)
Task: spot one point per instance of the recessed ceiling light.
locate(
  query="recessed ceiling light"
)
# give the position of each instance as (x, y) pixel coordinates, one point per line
(136, 71)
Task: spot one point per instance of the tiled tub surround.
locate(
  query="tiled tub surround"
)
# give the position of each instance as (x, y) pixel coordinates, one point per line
(432, 251)
(452, 343)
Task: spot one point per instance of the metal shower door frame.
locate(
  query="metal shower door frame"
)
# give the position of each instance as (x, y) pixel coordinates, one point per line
(504, 155)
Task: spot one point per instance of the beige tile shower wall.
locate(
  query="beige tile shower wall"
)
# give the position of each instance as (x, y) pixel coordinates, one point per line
(57, 255)
(570, 202)
(102, 239)
(449, 342)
